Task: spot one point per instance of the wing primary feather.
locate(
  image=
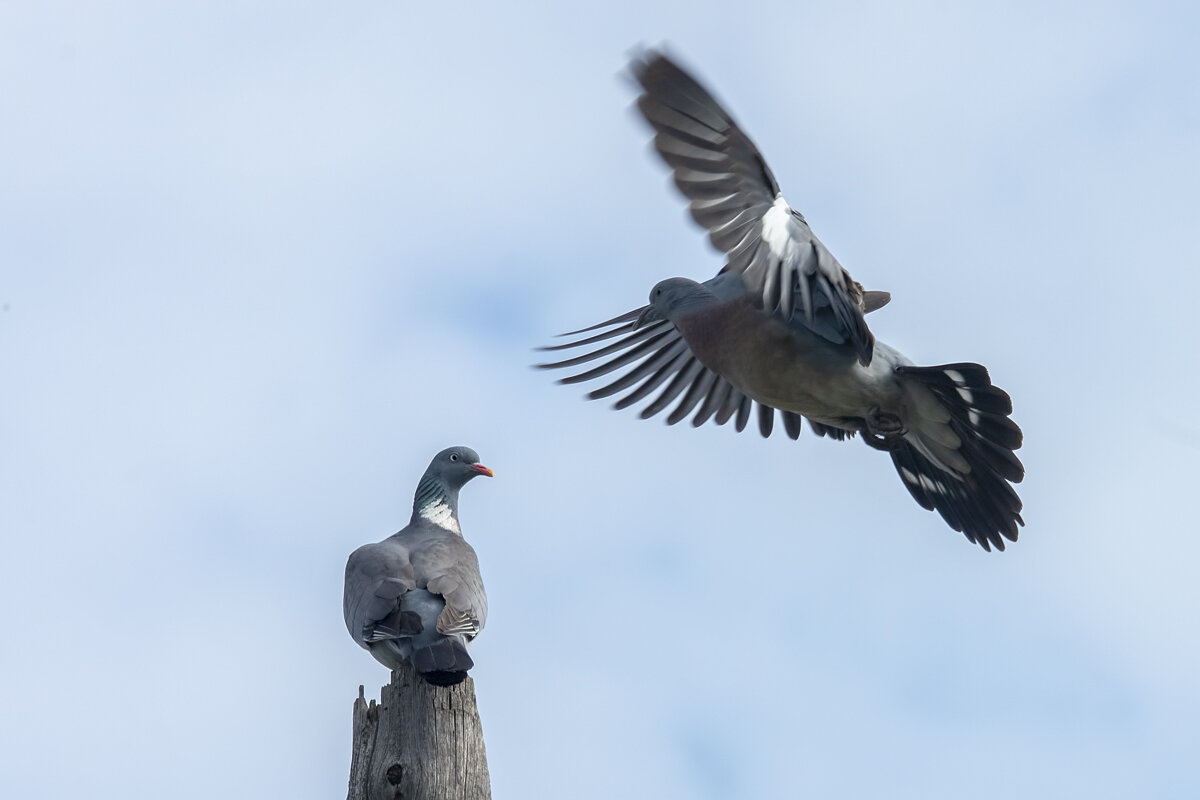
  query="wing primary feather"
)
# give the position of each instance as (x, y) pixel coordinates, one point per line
(615, 347)
(732, 401)
(697, 390)
(743, 413)
(712, 402)
(654, 381)
(625, 358)
(600, 337)
(668, 351)
(628, 316)
(686, 375)
(791, 424)
(766, 420)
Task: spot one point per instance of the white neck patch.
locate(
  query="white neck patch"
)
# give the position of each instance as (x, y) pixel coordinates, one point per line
(440, 514)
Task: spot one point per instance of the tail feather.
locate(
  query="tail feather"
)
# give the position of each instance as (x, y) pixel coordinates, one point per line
(979, 500)
(998, 430)
(443, 663)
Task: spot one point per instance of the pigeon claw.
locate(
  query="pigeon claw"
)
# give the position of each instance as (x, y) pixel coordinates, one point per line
(882, 430)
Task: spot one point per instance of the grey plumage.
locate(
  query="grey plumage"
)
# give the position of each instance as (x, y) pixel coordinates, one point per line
(418, 594)
(735, 197)
(783, 326)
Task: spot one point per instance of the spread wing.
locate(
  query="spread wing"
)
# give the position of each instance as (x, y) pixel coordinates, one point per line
(655, 358)
(733, 194)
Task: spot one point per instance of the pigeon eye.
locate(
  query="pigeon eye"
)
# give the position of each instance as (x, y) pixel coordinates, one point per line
(453, 457)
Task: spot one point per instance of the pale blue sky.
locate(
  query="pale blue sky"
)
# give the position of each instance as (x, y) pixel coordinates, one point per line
(261, 261)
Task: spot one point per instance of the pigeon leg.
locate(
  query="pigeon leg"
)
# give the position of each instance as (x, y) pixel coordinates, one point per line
(882, 430)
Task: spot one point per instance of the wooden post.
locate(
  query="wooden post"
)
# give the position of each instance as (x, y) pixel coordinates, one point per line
(420, 742)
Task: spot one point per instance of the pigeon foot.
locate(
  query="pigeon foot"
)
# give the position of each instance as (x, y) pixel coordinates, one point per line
(882, 430)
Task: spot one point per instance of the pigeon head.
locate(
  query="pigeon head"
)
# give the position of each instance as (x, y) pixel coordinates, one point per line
(673, 297)
(454, 466)
(436, 499)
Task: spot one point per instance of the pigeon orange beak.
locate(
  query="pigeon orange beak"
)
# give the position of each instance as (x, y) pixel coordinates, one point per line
(482, 470)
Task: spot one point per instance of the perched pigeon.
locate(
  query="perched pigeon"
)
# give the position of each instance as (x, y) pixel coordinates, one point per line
(417, 595)
(783, 325)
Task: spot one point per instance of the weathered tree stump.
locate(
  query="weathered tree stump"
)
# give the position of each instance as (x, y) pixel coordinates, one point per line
(420, 742)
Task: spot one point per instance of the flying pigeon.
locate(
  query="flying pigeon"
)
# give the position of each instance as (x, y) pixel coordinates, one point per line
(417, 595)
(783, 326)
